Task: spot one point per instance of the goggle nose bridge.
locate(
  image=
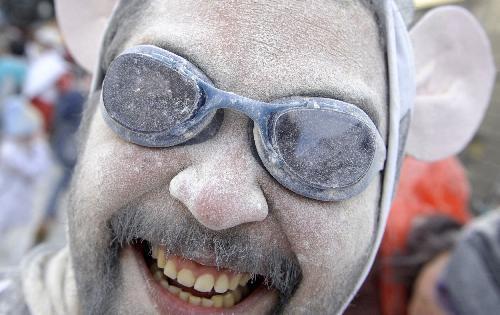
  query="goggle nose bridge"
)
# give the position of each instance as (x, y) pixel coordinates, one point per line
(218, 99)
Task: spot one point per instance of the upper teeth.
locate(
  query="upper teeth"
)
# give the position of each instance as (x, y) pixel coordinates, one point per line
(219, 281)
(169, 269)
(204, 282)
(222, 284)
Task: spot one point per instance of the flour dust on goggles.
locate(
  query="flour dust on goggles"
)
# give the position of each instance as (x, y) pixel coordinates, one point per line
(320, 148)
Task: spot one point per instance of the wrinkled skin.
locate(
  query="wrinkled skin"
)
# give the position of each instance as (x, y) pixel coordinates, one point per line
(260, 49)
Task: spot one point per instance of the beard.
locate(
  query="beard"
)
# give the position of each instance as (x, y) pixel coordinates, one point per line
(96, 255)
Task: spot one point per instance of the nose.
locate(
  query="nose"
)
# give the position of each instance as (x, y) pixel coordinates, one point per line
(221, 193)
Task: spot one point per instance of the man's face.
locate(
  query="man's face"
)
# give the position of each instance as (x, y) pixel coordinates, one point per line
(212, 204)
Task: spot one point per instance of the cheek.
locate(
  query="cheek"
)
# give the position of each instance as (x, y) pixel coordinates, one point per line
(331, 240)
(322, 232)
(112, 172)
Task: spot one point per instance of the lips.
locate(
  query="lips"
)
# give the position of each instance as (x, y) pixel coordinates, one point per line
(180, 285)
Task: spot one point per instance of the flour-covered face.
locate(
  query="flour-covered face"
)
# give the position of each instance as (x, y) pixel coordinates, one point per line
(204, 226)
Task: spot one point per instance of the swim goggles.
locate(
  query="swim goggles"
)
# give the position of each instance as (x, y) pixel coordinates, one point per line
(320, 148)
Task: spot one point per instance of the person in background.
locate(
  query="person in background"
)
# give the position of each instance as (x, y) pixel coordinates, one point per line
(430, 207)
(429, 195)
(417, 269)
(453, 270)
(46, 67)
(469, 281)
(67, 116)
(13, 67)
(24, 155)
(450, 264)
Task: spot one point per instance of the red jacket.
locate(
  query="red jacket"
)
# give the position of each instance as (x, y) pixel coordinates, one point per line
(424, 189)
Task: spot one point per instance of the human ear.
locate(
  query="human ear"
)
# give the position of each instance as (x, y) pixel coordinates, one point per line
(455, 76)
(82, 24)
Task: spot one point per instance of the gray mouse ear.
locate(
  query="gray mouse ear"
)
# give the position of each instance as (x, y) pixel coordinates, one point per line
(82, 24)
(455, 74)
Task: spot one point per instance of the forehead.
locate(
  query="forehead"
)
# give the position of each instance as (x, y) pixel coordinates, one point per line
(266, 49)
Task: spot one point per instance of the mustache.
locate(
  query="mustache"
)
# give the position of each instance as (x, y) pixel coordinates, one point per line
(240, 248)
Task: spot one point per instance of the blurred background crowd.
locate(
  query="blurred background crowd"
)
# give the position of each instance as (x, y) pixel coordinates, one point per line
(42, 95)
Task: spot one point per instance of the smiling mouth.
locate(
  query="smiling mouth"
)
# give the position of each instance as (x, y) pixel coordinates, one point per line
(194, 284)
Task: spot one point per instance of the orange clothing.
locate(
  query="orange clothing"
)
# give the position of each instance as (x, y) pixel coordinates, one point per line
(439, 188)
(46, 110)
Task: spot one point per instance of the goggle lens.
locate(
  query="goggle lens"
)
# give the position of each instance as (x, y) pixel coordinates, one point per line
(325, 148)
(143, 95)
